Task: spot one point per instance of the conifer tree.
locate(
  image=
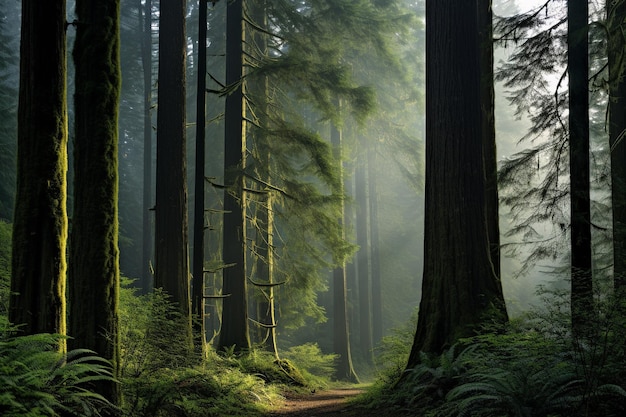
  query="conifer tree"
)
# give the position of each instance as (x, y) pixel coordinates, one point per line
(616, 46)
(234, 330)
(460, 285)
(147, 215)
(9, 91)
(171, 222)
(94, 274)
(341, 325)
(197, 305)
(37, 300)
(362, 222)
(580, 203)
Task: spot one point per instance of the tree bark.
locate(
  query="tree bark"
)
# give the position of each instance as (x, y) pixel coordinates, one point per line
(147, 219)
(461, 288)
(235, 330)
(171, 222)
(377, 302)
(365, 318)
(616, 19)
(37, 300)
(341, 330)
(198, 221)
(94, 254)
(580, 202)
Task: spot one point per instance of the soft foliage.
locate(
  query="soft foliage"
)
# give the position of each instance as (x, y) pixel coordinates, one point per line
(162, 378)
(37, 380)
(316, 367)
(534, 368)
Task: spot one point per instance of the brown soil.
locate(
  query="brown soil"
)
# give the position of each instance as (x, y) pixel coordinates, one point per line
(327, 403)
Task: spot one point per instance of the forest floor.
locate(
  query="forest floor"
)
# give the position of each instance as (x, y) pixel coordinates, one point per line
(326, 403)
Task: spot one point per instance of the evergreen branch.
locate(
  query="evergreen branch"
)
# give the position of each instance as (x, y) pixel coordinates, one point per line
(216, 80)
(268, 185)
(266, 284)
(263, 325)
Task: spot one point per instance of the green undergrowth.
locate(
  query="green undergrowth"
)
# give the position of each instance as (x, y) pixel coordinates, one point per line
(533, 369)
(161, 378)
(37, 380)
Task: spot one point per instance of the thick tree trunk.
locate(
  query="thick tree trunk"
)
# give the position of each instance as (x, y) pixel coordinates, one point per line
(37, 300)
(616, 20)
(94, 255)
(235, 330)
(461, 288)
(490, 158)
(171, 222)
(147, 218)
(580, 204)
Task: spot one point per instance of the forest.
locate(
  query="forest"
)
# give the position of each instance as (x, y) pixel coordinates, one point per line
(228, 207)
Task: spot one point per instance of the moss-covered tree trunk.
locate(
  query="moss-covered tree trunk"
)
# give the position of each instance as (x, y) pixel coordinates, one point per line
(39, 266)
(234, 330)
(580, 201)
(94, 255)
(616, 21)
(258, 92)
(171, 221)
(461, 287)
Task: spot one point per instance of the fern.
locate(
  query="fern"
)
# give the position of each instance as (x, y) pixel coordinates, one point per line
(528, 388)
(37, 380)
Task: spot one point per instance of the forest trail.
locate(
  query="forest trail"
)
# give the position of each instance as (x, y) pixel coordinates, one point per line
(327, 403)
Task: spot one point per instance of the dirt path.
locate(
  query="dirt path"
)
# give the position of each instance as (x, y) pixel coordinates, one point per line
(327, 403)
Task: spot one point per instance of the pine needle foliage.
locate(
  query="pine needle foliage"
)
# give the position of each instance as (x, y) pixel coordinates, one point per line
(308, 68)
(534, 182)
(37, 380)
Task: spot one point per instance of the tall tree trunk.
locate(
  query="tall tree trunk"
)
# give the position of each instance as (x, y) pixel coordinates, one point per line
(258, 89)
(352, 284)
(365, 318)
(37, 300)
(578, 70)
(460, 289)
(146, 60)
(377, 302)
(488, 131)
(171, 223)
(616, 19)
(94, 273)
(341, 332)
(235, 330)
(198, 221)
